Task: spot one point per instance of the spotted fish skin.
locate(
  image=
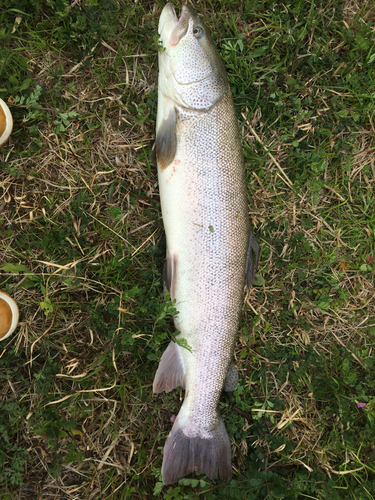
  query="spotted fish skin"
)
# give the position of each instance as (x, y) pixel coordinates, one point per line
(205, 214)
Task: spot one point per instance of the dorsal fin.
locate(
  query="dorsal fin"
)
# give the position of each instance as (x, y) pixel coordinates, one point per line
(252, 260)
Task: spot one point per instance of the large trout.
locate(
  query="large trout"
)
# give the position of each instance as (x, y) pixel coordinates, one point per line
(210, 248)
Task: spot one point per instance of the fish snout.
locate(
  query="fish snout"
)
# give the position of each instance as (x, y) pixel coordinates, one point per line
(180, 30)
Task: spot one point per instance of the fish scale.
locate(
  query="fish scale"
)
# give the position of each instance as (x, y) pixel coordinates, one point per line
(205, 214)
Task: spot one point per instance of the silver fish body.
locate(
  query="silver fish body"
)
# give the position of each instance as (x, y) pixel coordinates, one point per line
(204, 207)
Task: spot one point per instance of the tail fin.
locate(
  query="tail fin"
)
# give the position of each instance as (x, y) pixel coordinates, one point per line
(189, 449)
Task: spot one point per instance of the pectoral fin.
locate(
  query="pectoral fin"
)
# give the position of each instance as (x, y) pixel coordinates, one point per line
(252, 260)
(231, 381)
(166, 140)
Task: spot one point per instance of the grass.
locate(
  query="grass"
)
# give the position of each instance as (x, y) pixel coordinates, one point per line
(82, 250)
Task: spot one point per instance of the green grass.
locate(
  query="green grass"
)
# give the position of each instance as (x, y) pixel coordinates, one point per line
(82, 251)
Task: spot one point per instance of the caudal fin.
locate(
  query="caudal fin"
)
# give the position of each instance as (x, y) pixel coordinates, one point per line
(188, 449)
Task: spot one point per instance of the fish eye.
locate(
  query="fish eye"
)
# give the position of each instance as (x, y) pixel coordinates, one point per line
(198, 32)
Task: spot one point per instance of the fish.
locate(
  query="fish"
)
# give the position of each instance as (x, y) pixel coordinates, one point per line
(211, 250)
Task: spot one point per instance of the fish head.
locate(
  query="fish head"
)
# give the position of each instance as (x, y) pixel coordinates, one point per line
(191, 72)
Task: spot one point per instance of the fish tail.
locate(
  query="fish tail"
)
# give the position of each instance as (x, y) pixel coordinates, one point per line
(189, 448)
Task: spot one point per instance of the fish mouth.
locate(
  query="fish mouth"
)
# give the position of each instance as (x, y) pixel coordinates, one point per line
(172, 28)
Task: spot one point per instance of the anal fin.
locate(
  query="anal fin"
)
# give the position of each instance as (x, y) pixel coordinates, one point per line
(171, 371)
